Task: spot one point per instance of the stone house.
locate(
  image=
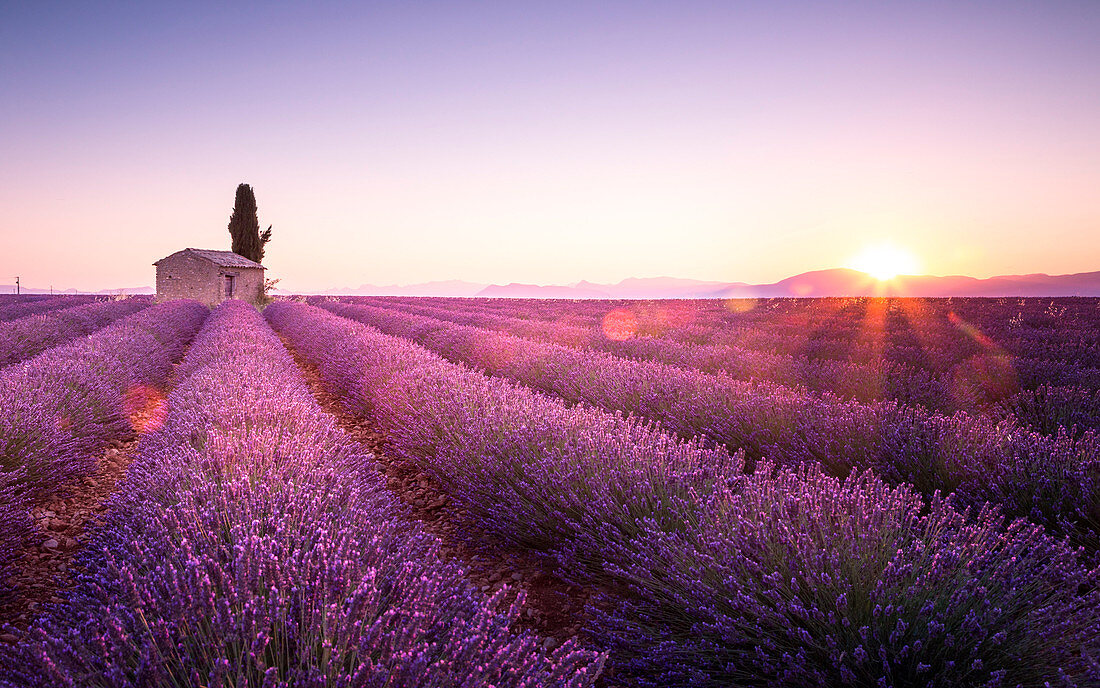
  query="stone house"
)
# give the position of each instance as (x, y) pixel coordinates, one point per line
(209, 276)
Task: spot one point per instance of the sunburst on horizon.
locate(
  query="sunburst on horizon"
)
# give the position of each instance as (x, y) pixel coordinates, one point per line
(885, 262)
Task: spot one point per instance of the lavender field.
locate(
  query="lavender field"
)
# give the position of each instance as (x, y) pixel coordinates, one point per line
(398, 491)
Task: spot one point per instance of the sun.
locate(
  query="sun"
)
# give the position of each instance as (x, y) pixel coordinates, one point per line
(885, 262)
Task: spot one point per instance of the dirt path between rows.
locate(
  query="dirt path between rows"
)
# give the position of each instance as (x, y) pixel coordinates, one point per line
(553, 609)
(62, 523)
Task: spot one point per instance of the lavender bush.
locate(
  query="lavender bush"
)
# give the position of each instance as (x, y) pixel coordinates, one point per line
(34, 305)
(1050, 409)
(507, 454)
(797, 578)
(908, 350)
(10, 299)
(713, 577)
(20, 339)
(253, 545)
(60, 408)
(976, 457)
(864, 381)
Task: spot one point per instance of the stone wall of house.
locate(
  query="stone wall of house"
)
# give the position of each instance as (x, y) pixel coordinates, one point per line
(190, 277)
(249, 283)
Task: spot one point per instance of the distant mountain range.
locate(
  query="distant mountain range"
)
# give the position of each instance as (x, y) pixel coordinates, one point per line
(10, 289)
(441, 288)
(631, 288)
(836, 282)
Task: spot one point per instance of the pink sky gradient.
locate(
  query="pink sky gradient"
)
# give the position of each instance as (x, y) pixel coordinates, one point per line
(493, 142)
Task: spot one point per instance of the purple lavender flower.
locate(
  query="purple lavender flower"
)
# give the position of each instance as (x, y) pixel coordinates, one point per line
(252, 543)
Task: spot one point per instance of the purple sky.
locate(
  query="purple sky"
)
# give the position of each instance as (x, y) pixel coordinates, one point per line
(496, 142)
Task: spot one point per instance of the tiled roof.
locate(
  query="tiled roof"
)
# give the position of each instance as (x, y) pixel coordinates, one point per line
(226, 259)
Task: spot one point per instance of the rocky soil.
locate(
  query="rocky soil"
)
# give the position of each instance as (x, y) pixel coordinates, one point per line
(45, 567)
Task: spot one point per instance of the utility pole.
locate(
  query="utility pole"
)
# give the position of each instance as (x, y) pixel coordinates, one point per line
(17, 285)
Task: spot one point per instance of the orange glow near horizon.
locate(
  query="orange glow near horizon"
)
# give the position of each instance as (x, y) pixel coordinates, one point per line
(549, 143)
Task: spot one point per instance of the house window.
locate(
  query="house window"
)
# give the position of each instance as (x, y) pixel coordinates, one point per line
(229, 283)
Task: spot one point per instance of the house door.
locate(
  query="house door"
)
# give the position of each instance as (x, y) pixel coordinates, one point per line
(229, 283)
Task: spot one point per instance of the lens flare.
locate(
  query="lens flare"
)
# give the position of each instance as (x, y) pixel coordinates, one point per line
(740, 305)
(145, 408)
(620, 325)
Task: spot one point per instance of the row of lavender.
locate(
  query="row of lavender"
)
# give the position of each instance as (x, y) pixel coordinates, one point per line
(1051, 480)
(713, 576)
(871, 381)
(252, 544)
(20, 339)
(928, 331)
(863, 381)
(8, 299)
(1059, 328)
(930, 334)
(1045, 392)
(59, 409)
(936, 333)
(31, 306)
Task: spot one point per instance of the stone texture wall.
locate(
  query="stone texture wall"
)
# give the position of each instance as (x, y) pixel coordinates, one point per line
(191, 277)
(250, 283)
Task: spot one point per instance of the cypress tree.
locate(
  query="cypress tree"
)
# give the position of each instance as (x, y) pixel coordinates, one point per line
(244, 226)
